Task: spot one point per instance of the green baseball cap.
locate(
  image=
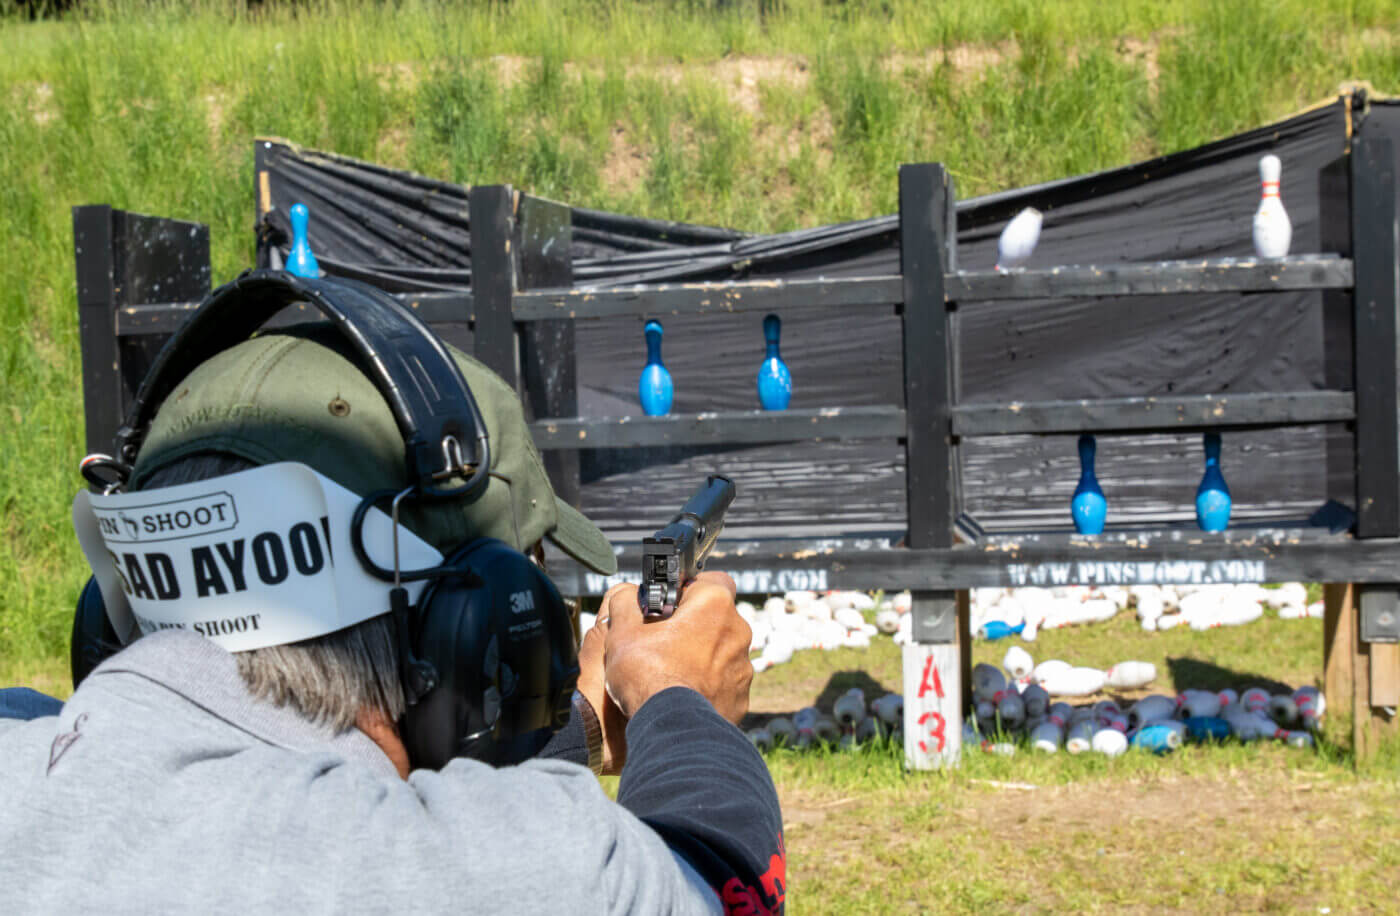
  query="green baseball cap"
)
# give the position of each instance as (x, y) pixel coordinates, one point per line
(297, 395)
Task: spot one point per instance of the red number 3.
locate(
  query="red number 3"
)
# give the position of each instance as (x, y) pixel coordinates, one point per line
(939, 724)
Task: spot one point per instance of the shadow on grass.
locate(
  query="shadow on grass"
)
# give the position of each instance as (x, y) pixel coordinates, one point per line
(1200, 675)
(836, 686)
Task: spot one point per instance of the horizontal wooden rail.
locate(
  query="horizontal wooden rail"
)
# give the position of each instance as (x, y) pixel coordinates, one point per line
(166, 317)
(1162, 278)
(707, 298)
(1122, 558)
(1243, 275)
(734, 427)
(1154, 413)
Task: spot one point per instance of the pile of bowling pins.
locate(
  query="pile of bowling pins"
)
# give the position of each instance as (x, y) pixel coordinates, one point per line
(1016, 706)
(804, 620)
(999, 612)
(1018, 703)
(852, 721)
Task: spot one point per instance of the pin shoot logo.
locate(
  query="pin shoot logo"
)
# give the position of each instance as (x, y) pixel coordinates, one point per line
(195, 516)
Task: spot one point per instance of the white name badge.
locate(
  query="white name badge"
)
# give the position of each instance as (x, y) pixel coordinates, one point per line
(254, 559)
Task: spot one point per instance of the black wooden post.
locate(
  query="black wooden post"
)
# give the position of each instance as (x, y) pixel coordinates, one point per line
(933, 675)
(491, 216)
(548, 360)
(1339, 373)
(266, 255)
(97, 325)
(122, 259)
(924, 199)
(1374, 330)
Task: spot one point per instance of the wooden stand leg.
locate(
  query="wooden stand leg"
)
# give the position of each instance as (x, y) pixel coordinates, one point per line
(932, 705)
(1360, 679)
(1338, 636)
(965, 645)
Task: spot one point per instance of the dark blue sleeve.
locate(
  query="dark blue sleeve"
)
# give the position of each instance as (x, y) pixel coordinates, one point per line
(569, 743)
(23, 703)
(698, 782)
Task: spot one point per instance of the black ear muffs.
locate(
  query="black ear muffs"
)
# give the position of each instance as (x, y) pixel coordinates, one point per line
(499, 638)
(94, 637)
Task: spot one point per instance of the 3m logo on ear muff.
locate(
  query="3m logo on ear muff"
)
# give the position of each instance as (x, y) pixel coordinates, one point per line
(520, 602)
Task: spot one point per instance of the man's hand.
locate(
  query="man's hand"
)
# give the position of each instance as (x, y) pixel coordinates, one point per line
(590, 684)
(703, 646)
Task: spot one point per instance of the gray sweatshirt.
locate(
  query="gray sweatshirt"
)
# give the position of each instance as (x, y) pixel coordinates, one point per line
(163, 786)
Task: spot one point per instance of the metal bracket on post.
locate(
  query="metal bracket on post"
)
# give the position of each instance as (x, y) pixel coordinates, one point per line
(1380, 613)
(935, 617)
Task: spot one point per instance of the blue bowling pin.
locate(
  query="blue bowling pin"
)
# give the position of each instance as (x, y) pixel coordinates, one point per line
(774, 380)
(1207, 728)
(1088, 506)
(1159, 738)
(301, 261)
(998, 629)
(1213, 496)
(654, 389)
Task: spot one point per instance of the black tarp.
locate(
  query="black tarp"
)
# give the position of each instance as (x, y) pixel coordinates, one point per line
(407, 232)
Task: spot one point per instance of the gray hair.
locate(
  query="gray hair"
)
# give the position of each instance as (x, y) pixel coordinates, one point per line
(328, 679)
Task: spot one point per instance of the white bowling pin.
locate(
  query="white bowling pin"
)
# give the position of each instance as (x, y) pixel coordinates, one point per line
(849, 709)
(1272, 230)
(1283, 710)
(1012, 711)
(782, 730)
(1311, 705)
(1079, 736)
(826, 729)
(1018, 663)
(1051, 667)
(890, 709)
(1019, 238)
(1151, 709)
(1076, 682)
(986, 681)
(1047, 736)
(1255, 699)
(1198, 704)
(1131, 675)
(1110, 742)
(1037, 700)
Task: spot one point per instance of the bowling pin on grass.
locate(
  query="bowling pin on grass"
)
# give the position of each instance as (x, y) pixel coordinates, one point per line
(774, 380)
(1088, 506)
(654, 389)
(850, 708)
(301, 262)
(1213, 495)
(1018, 239)
(1272, 231)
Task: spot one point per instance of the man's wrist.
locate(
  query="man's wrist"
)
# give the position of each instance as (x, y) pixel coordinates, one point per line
(592, 731)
